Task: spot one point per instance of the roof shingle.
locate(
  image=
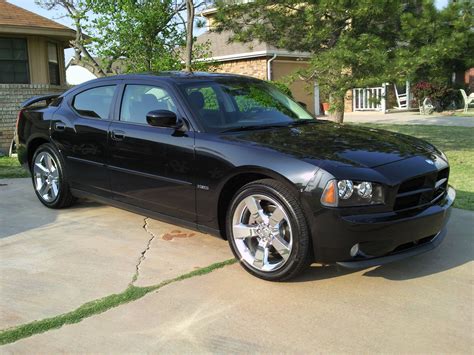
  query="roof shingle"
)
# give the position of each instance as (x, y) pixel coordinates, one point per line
(11, 15)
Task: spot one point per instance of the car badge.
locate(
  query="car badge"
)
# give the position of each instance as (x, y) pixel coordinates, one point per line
(429, 161)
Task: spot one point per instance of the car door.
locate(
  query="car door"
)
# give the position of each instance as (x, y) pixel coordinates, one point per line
(80, 130)
(151, 167)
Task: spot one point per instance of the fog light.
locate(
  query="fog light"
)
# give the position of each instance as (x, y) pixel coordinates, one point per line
(355, 250)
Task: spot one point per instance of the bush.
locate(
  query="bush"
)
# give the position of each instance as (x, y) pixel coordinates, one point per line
(442, 96)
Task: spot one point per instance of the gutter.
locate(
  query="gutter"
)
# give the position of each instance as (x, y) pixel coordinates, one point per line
(269, 67)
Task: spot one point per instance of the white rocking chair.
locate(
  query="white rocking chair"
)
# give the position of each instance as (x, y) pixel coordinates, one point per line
(402, 99)
(468, 100)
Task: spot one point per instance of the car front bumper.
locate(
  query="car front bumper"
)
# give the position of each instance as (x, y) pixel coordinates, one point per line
(380, 238)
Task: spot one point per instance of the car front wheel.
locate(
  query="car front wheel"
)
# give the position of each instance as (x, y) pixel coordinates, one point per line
(267, 231)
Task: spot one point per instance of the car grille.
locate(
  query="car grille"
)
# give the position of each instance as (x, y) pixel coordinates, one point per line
(422, 191)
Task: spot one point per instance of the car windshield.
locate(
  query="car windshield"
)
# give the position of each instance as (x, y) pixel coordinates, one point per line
(231, 105)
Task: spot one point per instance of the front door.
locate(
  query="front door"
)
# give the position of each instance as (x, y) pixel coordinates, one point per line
(151, 167)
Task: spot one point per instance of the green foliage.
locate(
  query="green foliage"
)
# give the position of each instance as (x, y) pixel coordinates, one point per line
(283, 87)
(441, 95)
(358, 43)
(350, 40)
(136, 36)
(143, 33)
(434, 43)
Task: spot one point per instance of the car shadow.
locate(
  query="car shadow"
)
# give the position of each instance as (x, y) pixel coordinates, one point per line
(457, 249)
(21, 211)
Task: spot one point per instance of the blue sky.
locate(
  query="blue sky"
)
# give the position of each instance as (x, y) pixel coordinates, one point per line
(59, 15)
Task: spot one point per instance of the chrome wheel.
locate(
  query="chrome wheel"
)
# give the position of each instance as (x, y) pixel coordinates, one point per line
(46, 176)
(262, 233)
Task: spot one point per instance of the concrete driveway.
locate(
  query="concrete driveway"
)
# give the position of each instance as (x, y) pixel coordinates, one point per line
(51, 262)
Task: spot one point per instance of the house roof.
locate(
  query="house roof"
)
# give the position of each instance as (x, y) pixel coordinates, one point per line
(222, 49)
(16, 20)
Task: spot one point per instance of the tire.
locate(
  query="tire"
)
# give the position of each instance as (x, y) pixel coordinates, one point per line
(49, 178)
(275, 245)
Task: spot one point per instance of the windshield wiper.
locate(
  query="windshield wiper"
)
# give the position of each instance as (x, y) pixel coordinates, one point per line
(302, 122)
(252, 128)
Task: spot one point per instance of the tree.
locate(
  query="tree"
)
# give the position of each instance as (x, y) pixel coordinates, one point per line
(189, 34)
(144, 35)
(435, 43)
(353, 43)
(349, 40)
(77, 10)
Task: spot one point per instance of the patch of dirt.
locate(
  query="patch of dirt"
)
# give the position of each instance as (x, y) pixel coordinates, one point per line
(178, 234)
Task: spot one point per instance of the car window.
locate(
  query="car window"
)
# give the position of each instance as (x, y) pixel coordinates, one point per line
(223, 104)
(95, 102)
(209, 96)
(138, 100)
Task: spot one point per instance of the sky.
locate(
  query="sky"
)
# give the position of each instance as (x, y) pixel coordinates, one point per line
(59, 16)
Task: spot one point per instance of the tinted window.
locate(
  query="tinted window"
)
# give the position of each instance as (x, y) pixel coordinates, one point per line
(138, 100)
(95, 102)
(13, 61)
(227, 104)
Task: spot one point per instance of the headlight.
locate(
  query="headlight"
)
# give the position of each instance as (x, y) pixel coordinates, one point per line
(347, 193)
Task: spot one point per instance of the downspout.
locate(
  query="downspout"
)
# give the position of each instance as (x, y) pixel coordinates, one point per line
(269, 67)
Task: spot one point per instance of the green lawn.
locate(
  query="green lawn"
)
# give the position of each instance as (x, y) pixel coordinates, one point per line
(10, 168)
(458, 144)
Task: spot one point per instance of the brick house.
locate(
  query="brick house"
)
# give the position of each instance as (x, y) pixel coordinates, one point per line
(259, 60)
(31, 62)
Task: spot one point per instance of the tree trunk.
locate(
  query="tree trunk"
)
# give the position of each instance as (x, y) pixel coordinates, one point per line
(189, 34)
(336, 108)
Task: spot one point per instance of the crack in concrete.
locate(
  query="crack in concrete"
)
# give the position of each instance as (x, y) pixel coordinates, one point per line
(143, 253)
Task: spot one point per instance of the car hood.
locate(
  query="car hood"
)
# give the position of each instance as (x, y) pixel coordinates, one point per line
(328, 143)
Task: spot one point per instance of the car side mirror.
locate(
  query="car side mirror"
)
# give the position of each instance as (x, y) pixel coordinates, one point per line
(163, 118)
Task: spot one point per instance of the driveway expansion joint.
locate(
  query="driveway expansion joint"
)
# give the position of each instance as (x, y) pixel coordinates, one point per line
(143, 253)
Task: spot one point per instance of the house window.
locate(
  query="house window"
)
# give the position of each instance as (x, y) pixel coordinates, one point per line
(53, 64)
(13, 61)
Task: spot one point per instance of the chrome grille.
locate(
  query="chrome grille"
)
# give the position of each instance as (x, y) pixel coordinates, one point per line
(422, 191)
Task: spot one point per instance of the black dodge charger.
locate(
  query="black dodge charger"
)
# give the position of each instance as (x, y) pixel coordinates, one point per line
(233, 156)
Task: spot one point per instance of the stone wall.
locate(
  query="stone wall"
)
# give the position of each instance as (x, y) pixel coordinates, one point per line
(252, 67)
(11, 96)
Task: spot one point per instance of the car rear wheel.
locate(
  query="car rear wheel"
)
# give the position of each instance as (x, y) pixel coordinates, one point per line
(49, 180)
(267, 231)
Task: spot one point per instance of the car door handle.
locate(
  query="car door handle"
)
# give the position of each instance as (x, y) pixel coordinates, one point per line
(59, 126)
(118, 135)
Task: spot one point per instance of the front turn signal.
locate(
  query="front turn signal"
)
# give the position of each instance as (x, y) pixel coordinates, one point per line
(329, 197)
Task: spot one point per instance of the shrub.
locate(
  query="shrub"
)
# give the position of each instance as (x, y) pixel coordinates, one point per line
(442, 96)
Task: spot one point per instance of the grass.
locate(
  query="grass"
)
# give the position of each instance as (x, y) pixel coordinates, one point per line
(458, 144)
(98, 306)
(10, 168)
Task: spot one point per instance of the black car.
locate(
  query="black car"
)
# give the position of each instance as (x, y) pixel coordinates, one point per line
(233, 156)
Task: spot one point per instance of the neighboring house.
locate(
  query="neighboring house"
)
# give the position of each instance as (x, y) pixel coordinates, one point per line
(31, 62)
(259, 60)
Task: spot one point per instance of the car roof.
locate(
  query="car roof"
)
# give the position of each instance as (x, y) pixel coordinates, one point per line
(176, 76)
